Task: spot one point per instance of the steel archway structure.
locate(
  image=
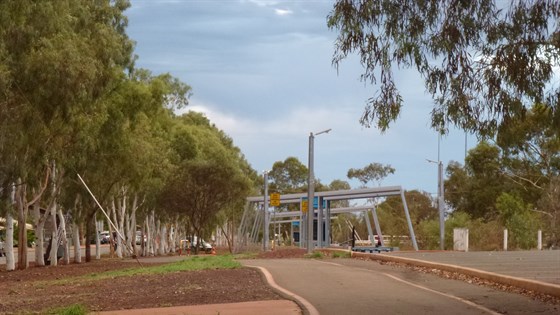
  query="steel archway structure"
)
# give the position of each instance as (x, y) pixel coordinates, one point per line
(254, 220)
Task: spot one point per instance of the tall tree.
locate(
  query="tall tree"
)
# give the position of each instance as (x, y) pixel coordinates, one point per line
(54, 68)
(475, 188)
(481, 62)
(531, 154)
(288, 176)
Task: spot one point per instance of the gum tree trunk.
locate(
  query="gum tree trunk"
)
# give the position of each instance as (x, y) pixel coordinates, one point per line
(76, 242)
(66, 256)
(9, 248)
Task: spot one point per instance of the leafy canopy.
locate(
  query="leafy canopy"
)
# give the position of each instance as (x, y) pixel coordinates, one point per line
(480, 62)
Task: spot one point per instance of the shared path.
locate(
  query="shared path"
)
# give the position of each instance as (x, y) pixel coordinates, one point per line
(353, 286)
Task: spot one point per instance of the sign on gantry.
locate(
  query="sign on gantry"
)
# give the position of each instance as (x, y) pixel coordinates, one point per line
(275, 199)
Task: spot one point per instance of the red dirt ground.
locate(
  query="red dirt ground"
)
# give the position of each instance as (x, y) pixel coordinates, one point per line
(30, 291)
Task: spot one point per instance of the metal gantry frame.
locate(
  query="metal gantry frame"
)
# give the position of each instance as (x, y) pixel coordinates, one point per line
(257, 208)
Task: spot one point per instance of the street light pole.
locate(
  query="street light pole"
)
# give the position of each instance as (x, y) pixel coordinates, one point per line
(441, 203)
(311, 191)
(266, 217)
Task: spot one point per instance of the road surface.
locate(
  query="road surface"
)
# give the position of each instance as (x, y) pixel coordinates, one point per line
(351, 286)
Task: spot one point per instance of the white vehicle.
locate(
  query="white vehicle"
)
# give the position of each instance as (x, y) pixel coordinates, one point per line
(204, 246)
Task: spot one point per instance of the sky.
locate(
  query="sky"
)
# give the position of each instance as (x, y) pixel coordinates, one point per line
(261, 71)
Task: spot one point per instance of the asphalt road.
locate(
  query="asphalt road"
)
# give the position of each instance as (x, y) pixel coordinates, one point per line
(350, 286)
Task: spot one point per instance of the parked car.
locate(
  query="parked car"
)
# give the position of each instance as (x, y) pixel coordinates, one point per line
(203, 246)
(104, 237)
(139, 238)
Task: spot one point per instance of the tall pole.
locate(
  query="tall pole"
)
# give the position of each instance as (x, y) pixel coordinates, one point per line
(441, 207)
(266, 217)
(311, 192)
(310, 195)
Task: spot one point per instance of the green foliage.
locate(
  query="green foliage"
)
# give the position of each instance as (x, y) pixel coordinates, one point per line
(211, 177)
(192, 264)
(391, 212)
(482, 235)
(427, 234)
(288, 176)
(75, 309)
(30, 236)
(492, 62)
(475, 188)
(340, 254)
(338, 184)
(521, 223)
(373, 172)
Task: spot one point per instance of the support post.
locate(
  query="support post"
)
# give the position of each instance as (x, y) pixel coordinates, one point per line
(266, 217)
(320, 222)
(539, 240)
(369, 229)
(328, 225)
(505, 239)
(310, 196)
(378, 227)
(412, 235)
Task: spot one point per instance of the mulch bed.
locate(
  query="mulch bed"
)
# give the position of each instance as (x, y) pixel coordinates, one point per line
(26, 291)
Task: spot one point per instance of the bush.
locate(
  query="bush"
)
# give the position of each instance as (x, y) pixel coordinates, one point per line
(521, 223)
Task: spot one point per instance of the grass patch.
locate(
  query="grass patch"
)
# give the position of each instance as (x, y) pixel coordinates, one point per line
(337, 254)
(75, 309)
(317, 255)
(248, 255)
(189, 264)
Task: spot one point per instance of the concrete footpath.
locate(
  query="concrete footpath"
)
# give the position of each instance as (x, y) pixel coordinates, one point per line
(358, 286)
(541, 266)
(537, 271)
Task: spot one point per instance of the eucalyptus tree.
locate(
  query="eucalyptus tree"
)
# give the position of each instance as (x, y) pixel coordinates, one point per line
(229, 217)
(288, 176)
(393, 219)
(208, 180)
(483, 62)
(531, 155)
(475, 188)
(134, 147)
(53, 68)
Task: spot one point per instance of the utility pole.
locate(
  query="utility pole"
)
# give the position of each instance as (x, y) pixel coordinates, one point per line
(311, 191)
(266, 217)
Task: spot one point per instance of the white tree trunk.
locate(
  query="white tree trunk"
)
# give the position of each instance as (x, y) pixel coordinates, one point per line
(9, 248)
(66, 256)
(132, 225)
(159, 238)
(112, 230)
(54, 236)
(152, 240)
(147, 231)
(122, 211)
(76, 241)
(21, 207)
(97, 244)
(39, 225)
(172, 243)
